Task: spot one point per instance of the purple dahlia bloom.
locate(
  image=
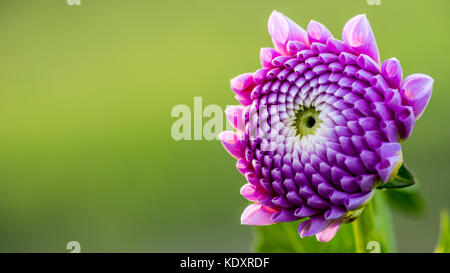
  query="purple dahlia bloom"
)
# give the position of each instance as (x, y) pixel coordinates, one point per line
(320, 125)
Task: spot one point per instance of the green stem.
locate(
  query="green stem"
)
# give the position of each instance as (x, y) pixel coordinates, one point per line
(373, 230)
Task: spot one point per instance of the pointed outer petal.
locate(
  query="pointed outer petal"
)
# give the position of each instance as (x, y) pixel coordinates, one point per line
(318, 33)
(232, 143)
(416, 91)
(266, 55)
(245, 101)
(243, 84)
(293, 47)
(243, 166)
(257, 215)
(392, 159)
(357, 200)
(234, 116)
(358, 35)
(282, 30)
(253, 193)
(312, 226)
(284, 215)
(329, 232)
(392, 72)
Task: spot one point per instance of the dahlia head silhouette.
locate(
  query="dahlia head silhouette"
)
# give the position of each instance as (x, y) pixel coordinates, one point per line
(320, 125)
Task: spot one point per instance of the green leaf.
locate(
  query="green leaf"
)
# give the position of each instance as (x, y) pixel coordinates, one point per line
(403, 179)
(443, 245)
(410, 202)
(374, 227)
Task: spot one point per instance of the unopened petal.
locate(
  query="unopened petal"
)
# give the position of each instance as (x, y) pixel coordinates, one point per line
(358, 35)
(416, 91)
(318, 33)
(282, 30)
(257, 215)
(329, 232)
(234, 116)
(392, 71)
(232, 143)
(242, 84)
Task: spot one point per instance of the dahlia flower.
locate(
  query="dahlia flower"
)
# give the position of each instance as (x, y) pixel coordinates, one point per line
(319, 126)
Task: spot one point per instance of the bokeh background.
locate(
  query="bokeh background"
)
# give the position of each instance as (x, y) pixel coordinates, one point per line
(86, 94)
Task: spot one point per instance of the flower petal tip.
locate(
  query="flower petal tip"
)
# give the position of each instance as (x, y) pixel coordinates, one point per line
(318, 32)
(282, 30)
(266, 55)
(242, 84)
(257, 215)
(358, 35)
(329, 232)
(232, 143)
(416, 91)
(234, 116)
(392, 71)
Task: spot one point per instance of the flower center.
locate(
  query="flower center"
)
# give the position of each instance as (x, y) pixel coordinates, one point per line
(307, 121)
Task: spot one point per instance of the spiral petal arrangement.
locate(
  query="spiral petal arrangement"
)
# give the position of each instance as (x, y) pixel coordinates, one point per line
(319, 125)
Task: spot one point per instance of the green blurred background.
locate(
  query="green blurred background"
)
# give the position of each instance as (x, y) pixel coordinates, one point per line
(85, 99)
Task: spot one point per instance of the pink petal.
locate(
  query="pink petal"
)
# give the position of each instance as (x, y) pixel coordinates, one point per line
(243, 166)
(232, 143)
(282, 30)
(416, 90)
(257, 215)
(266, 55)
(234, 116)
(243, 100)
(358, 35)
(392, 72)
(318, 33)
(252, 193)
(242, 85)
(329, 232)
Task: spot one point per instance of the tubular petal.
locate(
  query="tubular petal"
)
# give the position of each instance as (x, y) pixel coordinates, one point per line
(312, 226)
